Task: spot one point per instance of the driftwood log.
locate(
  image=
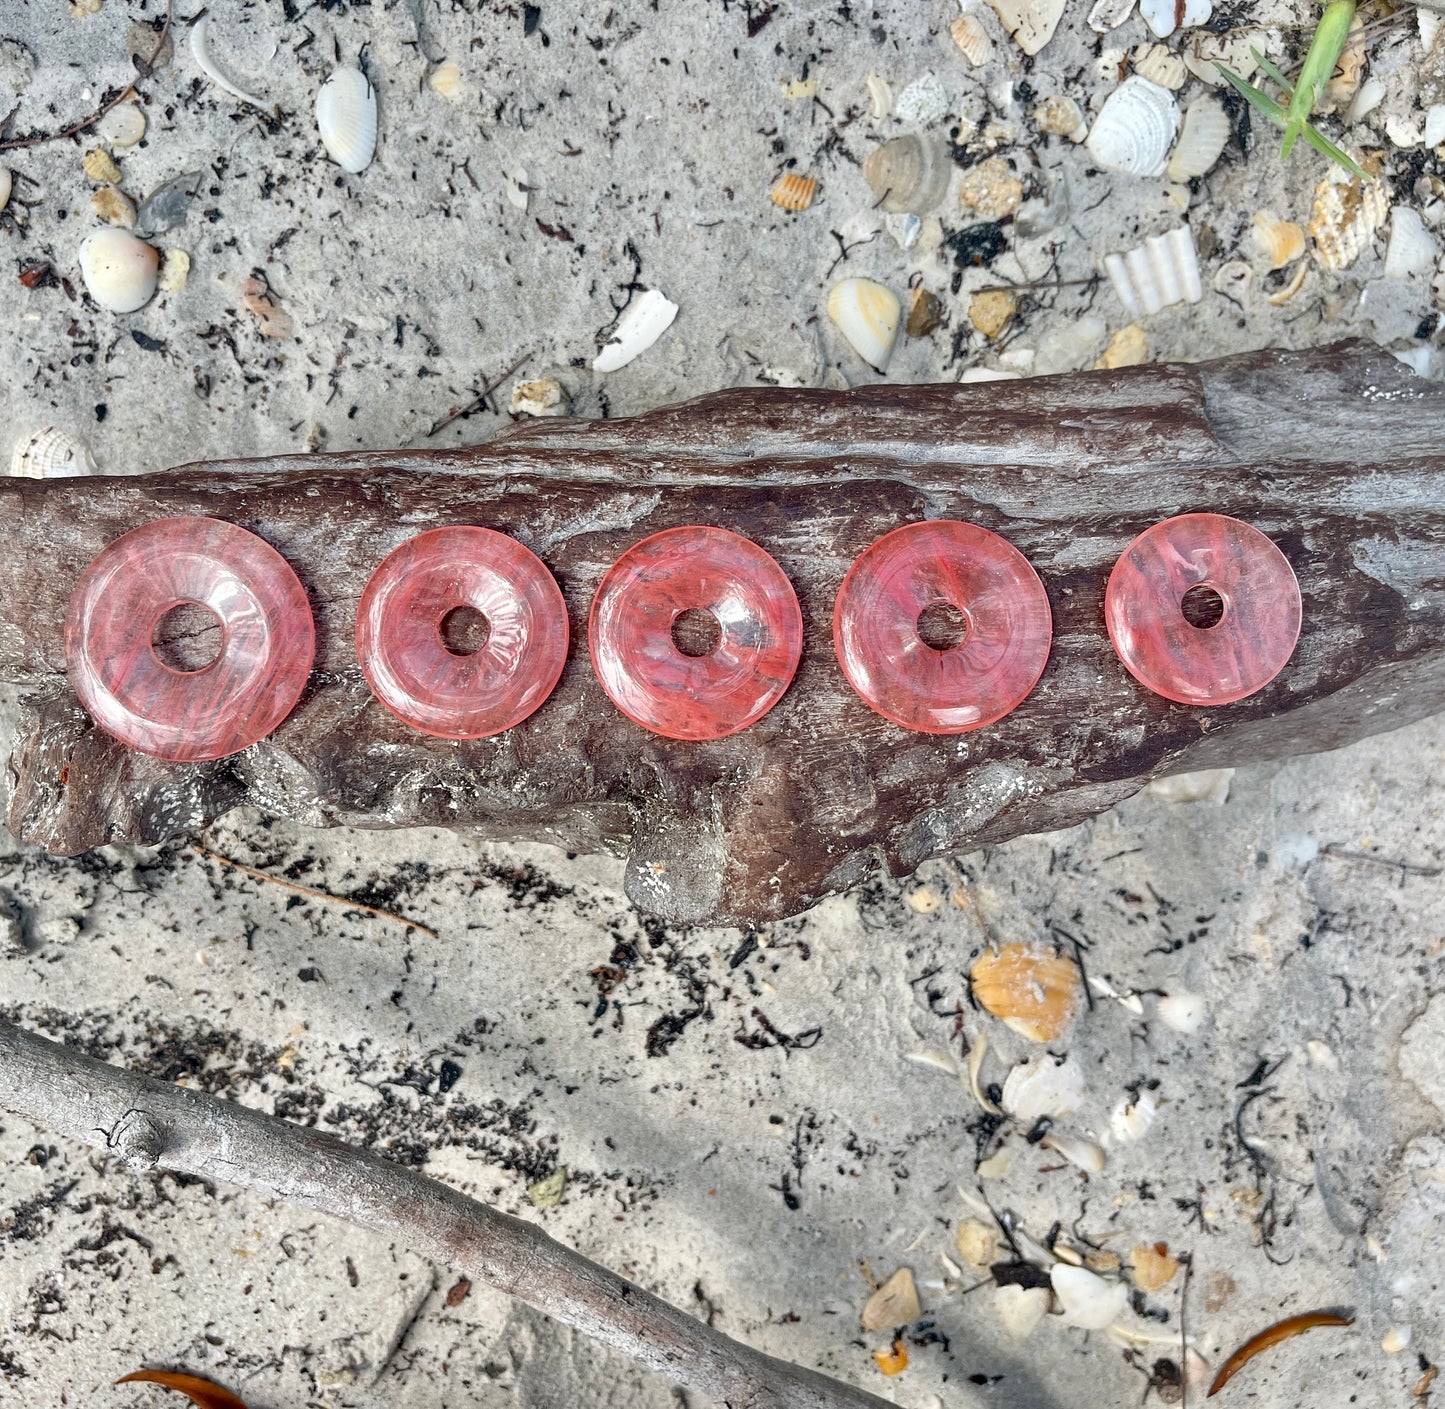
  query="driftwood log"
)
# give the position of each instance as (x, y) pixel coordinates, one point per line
(1338, 454)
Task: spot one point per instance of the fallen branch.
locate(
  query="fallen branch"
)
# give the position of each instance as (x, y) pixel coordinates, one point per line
(150, 1124)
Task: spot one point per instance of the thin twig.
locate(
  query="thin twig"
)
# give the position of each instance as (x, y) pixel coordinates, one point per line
(1404, 868)
(309, 892)
(488, 387)
(155, 1125)
(76, 128)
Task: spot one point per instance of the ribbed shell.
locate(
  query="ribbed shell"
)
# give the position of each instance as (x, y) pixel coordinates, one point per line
(795, 192)
(346, 119)
(1164, 270)
(1135, 128)
(972, 39)
(1344, 219)
(1201, 139)
(908, 173)
(51, 454)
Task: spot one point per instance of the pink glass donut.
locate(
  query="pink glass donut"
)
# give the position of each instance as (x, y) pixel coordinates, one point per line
(760, 633)
(267, 639)
(997, 598)
(1237, 567)
(406, 661)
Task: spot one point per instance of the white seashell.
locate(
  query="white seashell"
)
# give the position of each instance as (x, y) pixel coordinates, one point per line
(51, 454)
(1233, 280)
(1031, 22)
(119, 270)
(123, 126)
(1204, 52)
(1135, 128)
(1429, 22)
(1061, 117)
(1207, 785)
(1160, 64)
(1021, 1308)
(1089, 1302)
(346, 119)
(1131, 1120)
(1109, 14)
(1344, 218)
(1001, 1160)
(868, 315)
(1163, 271)
(545, 396)
(937, 1061)
(518, 188)
(908, 174)
(1371, 94)
(643, 321)
(972, 39)
(6, 181)
(970, 375)
(1183, 1012)
(1201, 139)
(1043, 1086)
(922, 103)
(201, 53)
(1434, 122)
(1411, 249)
(1163, 17)
(1396, 1339)
(1084, 1153)
(880, 97)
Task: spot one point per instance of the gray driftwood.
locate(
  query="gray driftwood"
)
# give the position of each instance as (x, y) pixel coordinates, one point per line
(1336, 453)
(154, 1125)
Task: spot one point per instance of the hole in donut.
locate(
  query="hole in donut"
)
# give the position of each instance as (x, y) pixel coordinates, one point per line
(696, 632)
(1202, 606)
(187, 638)
(464, 630)
(941, 626)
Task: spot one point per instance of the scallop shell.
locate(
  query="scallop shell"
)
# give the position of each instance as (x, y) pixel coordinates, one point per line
(643, 321)
(1201, 139)
(1042, 1087)
(1279, 241)
(1344, 218)
(346, 119)
(1163, 271)
(1135, 128)
(1159, 65)
(973, 39)
(1411, 249)
(119, 270)
(908, 173)
(991, 189)
(1165, 16)
(1033, 988)
(868, 315)
(795, 192)
(51, 454)
(1061, 117)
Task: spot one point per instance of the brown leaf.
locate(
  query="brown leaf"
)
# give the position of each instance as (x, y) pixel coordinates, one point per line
(202, 1392)
(1273, 1335)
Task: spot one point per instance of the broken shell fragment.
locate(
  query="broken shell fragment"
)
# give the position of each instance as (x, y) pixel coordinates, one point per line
(1085, 1154)
(1160, 65)
(1135, 128)
(271, 319)
(908, 173)
(1043, 1086)
(1033, 988)
(977, 1244)
(445, 80)
(1061, 117)
(1165, 16)
(1280, 297)
(1411, 248)
(1233, 280)
(1108, 15)
(1163, 271)
(113, 206)
(1153, 1267)
(1344, 218)
(895, 1303)
(346, 119)
(868, 315)
(119, 270)
(992, 311)
(50, 454)
(201, 53)
(972, 39)
(1201, 141)
(1031, 22)
(1205, 51)
(545, 396)
(6, 183)
(794, 192)
(1089, 1301)
(100, 166)
(880, 97)
(516, 186)
(1183, 1012)
(922, 103)
(1131, 1119)
(643, 321)
(1021, 1308)
(175, 270)
(1129, 347)
(123, 126)
(1279, 241)
(1207, 785)
(925, 313)
(991, 189)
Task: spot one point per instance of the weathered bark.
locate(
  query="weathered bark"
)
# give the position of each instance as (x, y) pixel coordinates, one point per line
(1335, 453)
(150, 1124)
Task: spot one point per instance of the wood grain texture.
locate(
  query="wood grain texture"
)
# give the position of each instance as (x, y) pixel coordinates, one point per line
(1334, 453)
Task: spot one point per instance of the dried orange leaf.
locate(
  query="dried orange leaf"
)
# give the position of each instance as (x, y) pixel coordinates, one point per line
(202, 1392)
(1272, 1335)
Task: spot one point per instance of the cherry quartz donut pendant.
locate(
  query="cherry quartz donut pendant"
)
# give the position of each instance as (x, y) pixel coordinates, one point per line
(402, 616)
(980, 581)
(1219, 562)
(760, 633)
(267, 639)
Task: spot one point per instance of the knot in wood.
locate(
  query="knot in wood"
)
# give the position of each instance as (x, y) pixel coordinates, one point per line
(138, 1140)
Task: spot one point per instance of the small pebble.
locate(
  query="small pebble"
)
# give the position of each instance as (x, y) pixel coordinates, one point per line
(113, 206)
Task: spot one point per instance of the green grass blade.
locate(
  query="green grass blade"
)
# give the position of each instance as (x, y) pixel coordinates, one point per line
(1263, 103)
(1274, 73)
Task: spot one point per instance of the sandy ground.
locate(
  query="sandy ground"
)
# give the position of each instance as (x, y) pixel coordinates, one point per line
(736, 1114)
